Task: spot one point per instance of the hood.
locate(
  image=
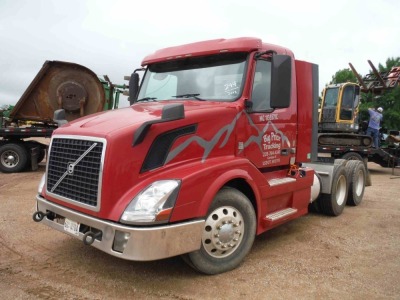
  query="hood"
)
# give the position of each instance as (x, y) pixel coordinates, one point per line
(106, 123)
(205, 132)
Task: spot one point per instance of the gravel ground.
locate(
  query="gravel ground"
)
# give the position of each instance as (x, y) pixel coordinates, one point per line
(353, 256)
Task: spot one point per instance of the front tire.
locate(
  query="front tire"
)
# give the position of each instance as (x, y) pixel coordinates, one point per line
(228, 233)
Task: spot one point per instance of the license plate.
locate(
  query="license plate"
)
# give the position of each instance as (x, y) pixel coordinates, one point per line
(71, 226)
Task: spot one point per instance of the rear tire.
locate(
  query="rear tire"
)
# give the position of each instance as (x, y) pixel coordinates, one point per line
(357, 177)
(333, 204)
(228, 234)
(13, 158)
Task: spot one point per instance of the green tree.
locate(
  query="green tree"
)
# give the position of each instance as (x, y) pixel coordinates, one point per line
(390, 63)
(342, 76)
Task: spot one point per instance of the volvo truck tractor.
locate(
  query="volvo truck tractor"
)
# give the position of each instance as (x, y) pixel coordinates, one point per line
(219, 145)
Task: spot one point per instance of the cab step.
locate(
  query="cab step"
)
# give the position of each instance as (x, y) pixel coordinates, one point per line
(280, 214)
(279, 181)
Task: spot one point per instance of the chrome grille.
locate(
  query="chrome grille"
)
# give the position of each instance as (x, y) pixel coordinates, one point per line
(74, 170)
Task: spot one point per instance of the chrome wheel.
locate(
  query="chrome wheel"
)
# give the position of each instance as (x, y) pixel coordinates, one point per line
(228, 234)
(9, 159)
(223, 231)
(359, 183)
(341, 190)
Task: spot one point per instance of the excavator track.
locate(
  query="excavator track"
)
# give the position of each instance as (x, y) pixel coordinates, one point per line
(344, 139)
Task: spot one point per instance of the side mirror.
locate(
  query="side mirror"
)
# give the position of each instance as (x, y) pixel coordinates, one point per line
(281, 81)
(59, 117)
(133, 87)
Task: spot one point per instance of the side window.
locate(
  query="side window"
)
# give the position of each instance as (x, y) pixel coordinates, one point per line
(348, 97)
(261, 93)
(331, 96)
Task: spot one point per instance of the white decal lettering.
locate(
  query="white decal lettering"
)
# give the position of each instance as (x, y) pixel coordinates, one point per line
(268, 117)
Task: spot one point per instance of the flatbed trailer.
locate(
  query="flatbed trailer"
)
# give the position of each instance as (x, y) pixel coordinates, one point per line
(26, 132)
(387, 157)
(18, 151)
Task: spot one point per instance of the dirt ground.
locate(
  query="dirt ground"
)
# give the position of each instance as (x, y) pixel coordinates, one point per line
(353, 256)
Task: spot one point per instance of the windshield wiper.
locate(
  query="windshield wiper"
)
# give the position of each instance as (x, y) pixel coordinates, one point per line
(190, 96)
(147, 99)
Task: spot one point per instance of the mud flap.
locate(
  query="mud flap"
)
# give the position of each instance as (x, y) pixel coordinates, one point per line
(34, 158)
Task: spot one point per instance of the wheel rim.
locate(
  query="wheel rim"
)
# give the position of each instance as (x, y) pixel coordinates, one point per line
(223, 231)
(341, 190)
(359, 183)
(9, 159)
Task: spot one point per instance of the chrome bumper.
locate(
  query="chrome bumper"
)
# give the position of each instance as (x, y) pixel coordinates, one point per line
(141, 243)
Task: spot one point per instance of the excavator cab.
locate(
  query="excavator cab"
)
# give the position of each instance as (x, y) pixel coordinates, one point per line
(339, 108)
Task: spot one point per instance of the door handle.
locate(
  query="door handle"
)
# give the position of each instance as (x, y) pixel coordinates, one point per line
(285, 152)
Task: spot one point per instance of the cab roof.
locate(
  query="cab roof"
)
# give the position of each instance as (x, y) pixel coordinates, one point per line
(243, 44)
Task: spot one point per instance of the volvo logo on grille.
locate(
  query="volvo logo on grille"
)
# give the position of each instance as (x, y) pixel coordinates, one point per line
(70, 168)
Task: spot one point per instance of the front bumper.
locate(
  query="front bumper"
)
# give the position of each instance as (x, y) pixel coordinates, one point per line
(141, 244)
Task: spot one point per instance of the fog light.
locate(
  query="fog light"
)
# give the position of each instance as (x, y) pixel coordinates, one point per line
(120, 240)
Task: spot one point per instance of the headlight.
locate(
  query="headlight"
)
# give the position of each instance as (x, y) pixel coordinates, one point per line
(41, 184)
(153, 204)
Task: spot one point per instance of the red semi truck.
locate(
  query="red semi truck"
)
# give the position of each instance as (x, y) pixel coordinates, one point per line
(220, 145)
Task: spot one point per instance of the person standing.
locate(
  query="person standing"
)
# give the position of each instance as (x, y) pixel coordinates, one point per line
(375, 118)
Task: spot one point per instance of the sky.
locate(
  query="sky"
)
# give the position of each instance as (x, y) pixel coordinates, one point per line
(112, 37)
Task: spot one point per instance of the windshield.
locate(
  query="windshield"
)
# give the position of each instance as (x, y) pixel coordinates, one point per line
(215, 77)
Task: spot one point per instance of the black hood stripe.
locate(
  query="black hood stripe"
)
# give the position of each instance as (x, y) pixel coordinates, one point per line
(160, 148)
